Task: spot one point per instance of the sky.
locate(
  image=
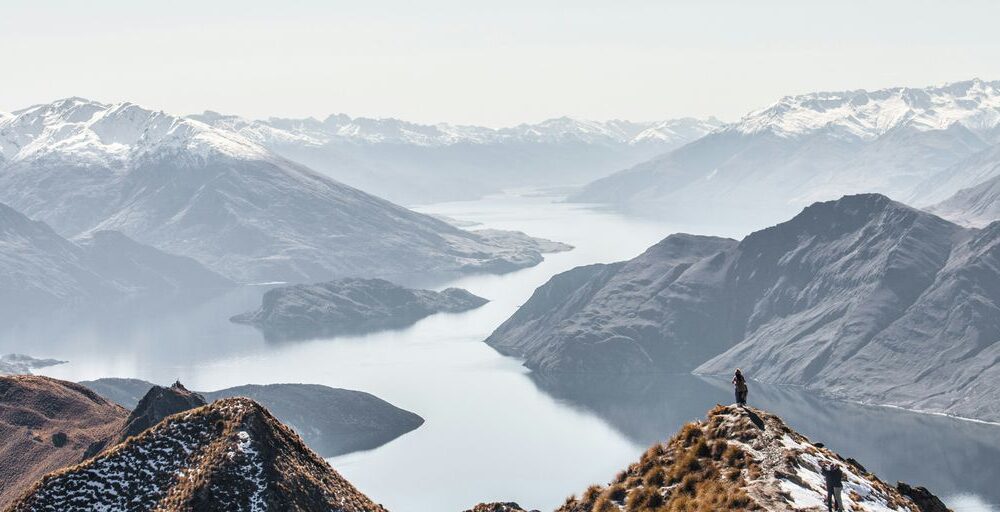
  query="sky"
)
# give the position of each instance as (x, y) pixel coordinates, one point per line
(487, 63)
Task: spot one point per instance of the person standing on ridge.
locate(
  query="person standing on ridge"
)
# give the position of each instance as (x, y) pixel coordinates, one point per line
(741, 387)
(834, 486)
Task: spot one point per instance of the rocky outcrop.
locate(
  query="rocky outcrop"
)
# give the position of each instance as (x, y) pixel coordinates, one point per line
(47, 424)
(349, 306)
(738, 459)
(332, 421)
(923, 498)
(860, 298)
(230, 455)
(158, 403)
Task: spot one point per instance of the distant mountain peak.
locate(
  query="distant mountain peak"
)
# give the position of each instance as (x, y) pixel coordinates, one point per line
(864, 114)
(82, 132)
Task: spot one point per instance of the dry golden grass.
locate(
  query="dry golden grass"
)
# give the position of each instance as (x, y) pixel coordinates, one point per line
(698, 470)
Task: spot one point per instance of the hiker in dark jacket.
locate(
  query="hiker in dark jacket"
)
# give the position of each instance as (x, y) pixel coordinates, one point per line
(740, 384)
(834, 486)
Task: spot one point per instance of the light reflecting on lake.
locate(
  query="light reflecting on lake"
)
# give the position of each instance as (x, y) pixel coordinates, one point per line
(493, 431)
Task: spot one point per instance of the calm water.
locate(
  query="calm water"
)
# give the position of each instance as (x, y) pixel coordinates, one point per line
(493, 430)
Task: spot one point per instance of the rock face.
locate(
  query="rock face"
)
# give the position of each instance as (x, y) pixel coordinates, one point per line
(39, 269)
(409, 163)
(860, 298)
(159, 403)
(47, 424)
(349, 306)
(738, 459)
(213, 195)
(331, 421)
(815, 147)
(229, 455)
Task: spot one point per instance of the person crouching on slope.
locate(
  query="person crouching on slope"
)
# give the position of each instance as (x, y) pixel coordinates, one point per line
(834, 486)
(741, 387)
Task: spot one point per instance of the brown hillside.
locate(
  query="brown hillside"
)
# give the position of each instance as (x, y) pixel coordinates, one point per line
(229, 455)
(47, 424)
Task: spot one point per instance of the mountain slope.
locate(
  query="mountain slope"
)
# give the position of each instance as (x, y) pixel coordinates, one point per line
(39, 269)
(411, 163)
(47, 424)
(742, 459)
(860, 298)
(230, 455)
(622, 316)
(975, 206)
(814, 147)
(194, 190)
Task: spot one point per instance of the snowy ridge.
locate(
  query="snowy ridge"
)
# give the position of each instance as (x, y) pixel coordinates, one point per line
(974, 104)
(89, 132)
(343, 128)
(229, 455)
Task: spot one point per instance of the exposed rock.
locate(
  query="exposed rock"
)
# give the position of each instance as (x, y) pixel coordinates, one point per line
(159, 403)
(47, 424)
(925, 501)
(349, 306)
(331, 421)
(737, 459)
(230, 455)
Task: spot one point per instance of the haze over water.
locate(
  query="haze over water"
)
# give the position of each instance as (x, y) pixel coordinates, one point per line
(493, 431)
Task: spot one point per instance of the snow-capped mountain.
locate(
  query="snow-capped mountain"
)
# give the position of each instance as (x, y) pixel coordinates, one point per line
(414, 163)
(814, 147)
(974, 105)
(193, 189)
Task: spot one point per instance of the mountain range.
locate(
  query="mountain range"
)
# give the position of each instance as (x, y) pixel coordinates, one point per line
(860, 298)
(190, 189)
(916, 145)
(411, 163)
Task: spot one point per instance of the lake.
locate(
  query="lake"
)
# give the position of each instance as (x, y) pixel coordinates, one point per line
(493, 430)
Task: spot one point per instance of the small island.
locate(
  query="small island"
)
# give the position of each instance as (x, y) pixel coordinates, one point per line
(349, 306)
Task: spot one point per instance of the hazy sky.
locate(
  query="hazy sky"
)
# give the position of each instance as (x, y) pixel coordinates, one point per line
(492, 63)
